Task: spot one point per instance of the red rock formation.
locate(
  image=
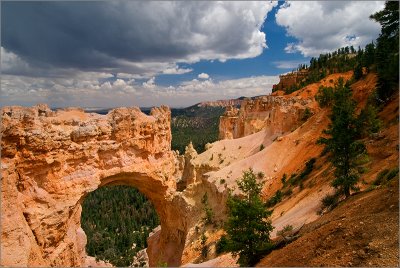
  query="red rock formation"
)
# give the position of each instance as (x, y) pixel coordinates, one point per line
(221, 103)
(289, 79)
(51, 160)
(278, 114)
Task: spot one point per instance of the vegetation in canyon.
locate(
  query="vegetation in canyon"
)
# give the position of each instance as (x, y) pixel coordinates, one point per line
(248, 227)
(117, 221)
(195, 124)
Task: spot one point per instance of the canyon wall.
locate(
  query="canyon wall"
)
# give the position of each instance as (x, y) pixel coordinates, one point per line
(290, 79)
(50, 160)
(277, 114)
(221, 103)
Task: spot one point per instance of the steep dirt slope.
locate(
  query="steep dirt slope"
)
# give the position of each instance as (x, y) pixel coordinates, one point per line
(287, 154)
(362, 231)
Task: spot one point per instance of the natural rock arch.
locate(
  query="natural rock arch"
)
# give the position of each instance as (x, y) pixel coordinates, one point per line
(51, 160)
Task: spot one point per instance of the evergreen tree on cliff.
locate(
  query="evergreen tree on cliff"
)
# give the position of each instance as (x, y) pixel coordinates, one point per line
(248, 226)
(343, 143)
(387, 50)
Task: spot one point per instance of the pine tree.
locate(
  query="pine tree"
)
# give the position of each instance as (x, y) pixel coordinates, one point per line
(387, 50)
(343, 143)
(248, 227)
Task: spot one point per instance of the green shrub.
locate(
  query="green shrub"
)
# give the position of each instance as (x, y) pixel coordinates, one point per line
(285, 232)
(222, 181)
(275, 199)
(209, 213)
(392, 174)
(368, 122)
(297, 179)
(292, 178)
(307, 114)
(262, 147)
(284, 179)
(287, 192)
(330, 201)
(222, 245)
(204, 248)
(325, 96)
(385, 175)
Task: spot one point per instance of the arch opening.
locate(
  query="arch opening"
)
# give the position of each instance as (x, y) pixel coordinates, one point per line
(117, 220)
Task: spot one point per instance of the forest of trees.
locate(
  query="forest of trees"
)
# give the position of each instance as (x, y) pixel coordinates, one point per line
(381, 57)
(117, 221)
(198, 125)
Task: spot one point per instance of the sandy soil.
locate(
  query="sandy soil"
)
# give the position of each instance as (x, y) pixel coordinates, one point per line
(362, 231)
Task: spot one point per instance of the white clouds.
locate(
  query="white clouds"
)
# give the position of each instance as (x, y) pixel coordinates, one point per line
(90, 90)
(203, 76)
(177, 70)
(141, 38)
(324, 26)
(149, 84)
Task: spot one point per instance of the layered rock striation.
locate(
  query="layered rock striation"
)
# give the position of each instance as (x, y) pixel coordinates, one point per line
(50, 160)
(277, 114)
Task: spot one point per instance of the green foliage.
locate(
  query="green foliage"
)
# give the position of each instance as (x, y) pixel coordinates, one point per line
(343, 143)
(114, 218)
(285, 232)
(387, 50)
(209, 213)
(330, 201)
(204, 248)
(385, 176)
(307, 114)
(221, 181)
(198, 125)
(324, 96)
(284, 177)
(162, 264)
(275, 199)
(357, 73)
(248, 227)
(222, 245)
(384, 57)
(287, 192)
(298, 179)
(262, 147)
(307, 170)
(368, 121)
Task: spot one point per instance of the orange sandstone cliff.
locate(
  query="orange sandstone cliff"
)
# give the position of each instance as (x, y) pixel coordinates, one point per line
(51, 160)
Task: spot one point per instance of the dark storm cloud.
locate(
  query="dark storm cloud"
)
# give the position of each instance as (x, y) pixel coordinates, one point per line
(96, 36)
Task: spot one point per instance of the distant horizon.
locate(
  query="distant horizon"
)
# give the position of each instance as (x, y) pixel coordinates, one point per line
(87, 108)
(178, 54)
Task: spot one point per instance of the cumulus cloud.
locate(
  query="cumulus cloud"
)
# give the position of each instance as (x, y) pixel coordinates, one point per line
(149, 84)
(90, 89)
(203, 76)
(177, 70)
(142, 38)
(324, 26)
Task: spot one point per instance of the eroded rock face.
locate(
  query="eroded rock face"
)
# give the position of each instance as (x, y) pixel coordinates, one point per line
(50, 160)
(278, 114)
